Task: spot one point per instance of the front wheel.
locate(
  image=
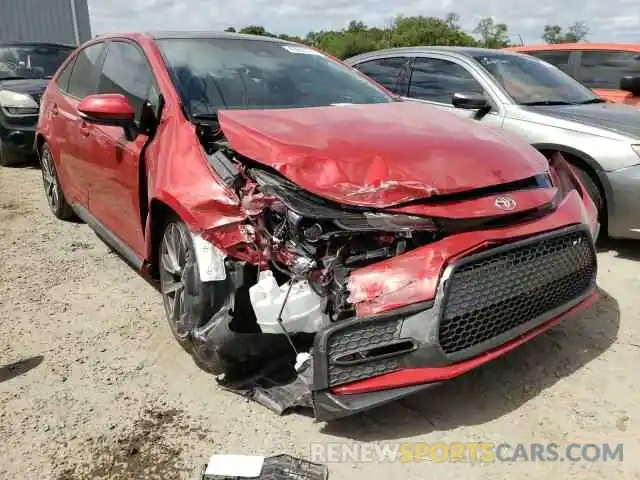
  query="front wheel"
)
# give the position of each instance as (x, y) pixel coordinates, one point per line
(198, 313)
(8, 158)
(592, 190)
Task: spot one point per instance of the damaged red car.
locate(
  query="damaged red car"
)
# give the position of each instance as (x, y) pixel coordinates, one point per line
(316, 241)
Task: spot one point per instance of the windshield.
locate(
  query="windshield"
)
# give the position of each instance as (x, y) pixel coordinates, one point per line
(31, 61)
(216, 73)
(530, 81)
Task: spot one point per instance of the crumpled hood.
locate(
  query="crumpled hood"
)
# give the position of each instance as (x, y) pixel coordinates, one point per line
(379, 155)
(621, 119)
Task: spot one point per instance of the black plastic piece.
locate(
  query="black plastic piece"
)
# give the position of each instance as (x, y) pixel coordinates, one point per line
(224, 167)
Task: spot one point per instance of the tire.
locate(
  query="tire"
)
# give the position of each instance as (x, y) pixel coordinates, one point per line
(7, 158)
(189, 303)
(593, 190)
(202, 315)
(52, 188)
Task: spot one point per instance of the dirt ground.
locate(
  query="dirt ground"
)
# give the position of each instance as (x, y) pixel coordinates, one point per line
(92, 384)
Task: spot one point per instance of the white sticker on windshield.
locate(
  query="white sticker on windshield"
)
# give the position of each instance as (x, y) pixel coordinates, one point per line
(302, 50)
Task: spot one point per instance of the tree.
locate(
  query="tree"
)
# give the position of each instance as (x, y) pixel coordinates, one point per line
(492, 35)
(230, 29)
(357, 37)
(552, 34)
(576, 32)
(256, 30)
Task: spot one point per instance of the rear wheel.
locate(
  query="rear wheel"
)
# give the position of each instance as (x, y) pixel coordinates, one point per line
(52, 188)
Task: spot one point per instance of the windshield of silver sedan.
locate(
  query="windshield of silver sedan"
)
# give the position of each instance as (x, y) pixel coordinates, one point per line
(530, 81)
(219, 73)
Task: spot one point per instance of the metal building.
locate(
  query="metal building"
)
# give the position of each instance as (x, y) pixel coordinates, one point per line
(63, 21)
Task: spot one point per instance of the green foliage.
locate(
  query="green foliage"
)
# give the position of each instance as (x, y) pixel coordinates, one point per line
(576, 32)
(492, 35)
(358, 37)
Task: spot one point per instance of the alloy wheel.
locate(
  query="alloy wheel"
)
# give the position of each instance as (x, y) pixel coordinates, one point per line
(50, 180)
(174, 255)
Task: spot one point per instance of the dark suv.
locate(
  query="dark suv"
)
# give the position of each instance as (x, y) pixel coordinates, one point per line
(25, 69)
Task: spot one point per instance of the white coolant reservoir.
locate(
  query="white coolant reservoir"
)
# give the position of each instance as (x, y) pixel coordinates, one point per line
(302, 313)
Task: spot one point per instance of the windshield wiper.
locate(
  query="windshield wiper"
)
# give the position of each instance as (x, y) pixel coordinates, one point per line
(206, 118)
(546, 103)
(592, 100)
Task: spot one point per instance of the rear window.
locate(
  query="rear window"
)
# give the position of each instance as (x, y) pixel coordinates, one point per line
(605, 69)
(558, 58)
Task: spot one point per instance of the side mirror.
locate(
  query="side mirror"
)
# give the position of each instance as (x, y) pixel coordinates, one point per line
(630, 84)
(107, 109)
(469, 101)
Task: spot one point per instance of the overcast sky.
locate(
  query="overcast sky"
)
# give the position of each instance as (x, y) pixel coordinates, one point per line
(608, 20)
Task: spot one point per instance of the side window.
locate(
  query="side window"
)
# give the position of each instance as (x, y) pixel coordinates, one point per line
(63, 78)
(386, 71)
(605, 69)
(556, 58)
(437, 80)
(127, 71)
(82, 81)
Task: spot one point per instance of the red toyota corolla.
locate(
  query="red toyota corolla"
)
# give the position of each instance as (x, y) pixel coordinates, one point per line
(316, 241)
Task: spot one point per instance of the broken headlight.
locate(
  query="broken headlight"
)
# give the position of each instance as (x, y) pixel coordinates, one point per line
(387, 222)
(309, 206)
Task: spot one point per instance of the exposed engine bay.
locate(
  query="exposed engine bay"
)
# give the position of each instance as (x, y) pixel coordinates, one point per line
(305, 246)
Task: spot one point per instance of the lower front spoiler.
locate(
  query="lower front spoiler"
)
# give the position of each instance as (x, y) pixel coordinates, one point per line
(282, 392)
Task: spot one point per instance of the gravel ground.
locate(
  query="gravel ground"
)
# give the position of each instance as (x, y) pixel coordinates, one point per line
(93, 386)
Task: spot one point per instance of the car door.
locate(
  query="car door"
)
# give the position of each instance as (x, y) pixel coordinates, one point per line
(602, 70)
(114, 155)
(435, 79)
(66, 135)
(390, 72)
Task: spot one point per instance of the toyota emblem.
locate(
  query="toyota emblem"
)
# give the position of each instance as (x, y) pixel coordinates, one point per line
(505, 203)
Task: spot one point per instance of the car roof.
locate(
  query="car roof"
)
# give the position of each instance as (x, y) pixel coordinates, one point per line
(631, 47)
(35, 44)
(460, 51)
(192, 34)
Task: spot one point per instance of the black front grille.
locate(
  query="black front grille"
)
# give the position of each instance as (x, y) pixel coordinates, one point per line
(365, 337)
(492, 294)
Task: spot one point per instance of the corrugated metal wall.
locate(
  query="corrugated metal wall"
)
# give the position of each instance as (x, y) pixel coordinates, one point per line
(44, 20)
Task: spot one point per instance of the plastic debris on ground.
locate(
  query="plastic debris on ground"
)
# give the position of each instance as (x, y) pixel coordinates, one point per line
(279, 387)
(277, 467)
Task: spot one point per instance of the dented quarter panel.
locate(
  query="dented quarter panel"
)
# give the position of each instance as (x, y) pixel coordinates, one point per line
(413, 277)
(382, 154)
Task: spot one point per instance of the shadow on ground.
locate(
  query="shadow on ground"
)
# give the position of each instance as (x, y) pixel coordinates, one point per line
(497, 388)
(19, 368)
(629, 249)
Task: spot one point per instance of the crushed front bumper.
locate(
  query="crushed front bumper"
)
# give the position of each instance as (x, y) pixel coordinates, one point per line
(486, 305)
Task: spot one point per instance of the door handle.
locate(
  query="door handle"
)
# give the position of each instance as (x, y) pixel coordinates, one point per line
(84, 128)
(54, 110)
